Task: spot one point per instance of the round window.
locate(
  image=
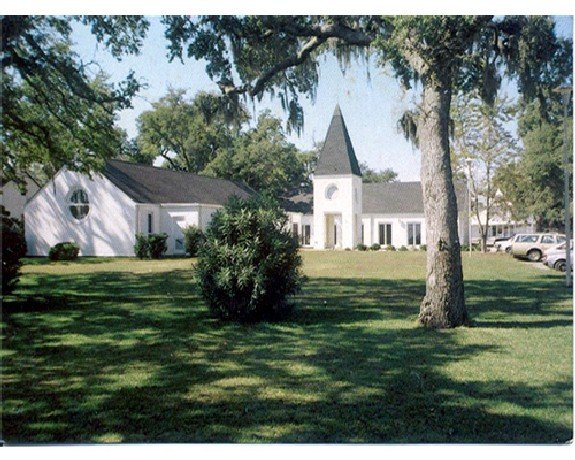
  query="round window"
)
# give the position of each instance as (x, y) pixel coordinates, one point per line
(331, 192)
(78, 204)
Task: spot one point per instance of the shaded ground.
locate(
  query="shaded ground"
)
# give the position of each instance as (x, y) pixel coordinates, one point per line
(115, 354)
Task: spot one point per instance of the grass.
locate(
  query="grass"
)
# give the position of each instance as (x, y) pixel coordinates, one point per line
(123, 350)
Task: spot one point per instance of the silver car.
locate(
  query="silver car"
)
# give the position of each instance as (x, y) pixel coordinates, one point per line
(555, 257)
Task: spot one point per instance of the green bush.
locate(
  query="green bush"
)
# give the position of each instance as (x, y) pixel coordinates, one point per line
(474, 247)
(249, 263)
(157, 244)
(152, 246)
(64, 251)
(13, 249)
(141, 248)
(193, 238)
(423, 247)
(390, 247)
(361, 247)
(403, 248)
(375, 247)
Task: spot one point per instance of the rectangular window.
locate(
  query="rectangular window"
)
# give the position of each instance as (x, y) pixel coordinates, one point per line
(335, 235)
(294, 230)
(362, 234)
(306, 234)
(385, 234)
(413, 234)
(150, 227)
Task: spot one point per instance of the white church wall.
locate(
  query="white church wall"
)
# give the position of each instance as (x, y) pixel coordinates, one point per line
(107, 230)
(173, 220)
(399, 228)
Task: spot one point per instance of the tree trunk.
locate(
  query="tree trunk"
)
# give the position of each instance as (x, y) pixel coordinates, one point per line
(444, 304)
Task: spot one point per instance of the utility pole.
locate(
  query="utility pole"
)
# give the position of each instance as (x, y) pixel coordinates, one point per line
(566, 95)
(468, 161)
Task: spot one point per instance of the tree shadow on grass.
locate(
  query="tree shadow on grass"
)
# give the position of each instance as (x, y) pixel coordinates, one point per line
(136, 358)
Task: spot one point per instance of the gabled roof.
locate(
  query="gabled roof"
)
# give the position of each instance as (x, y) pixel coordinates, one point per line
(401, 197)
(337, 155)
(149, 184)
(392, 198)
(302, 202)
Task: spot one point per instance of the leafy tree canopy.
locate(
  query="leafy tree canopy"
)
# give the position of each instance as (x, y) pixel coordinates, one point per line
(534, 184)
(371, 175)
(187, 133)
(481, 135)
(263, 159)
(56, 110)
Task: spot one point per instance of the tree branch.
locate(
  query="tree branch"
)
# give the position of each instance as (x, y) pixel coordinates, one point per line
(318, 34)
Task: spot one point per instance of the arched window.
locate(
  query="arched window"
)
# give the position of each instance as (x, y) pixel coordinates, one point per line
(78, 204)
(331, 192)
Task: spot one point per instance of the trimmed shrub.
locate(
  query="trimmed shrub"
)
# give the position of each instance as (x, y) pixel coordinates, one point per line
(152, 246)
(375, 247)
(157, 245)
(403, 248)
(249, 263)
(390, 247)
(474, 247)
(193, 238)
(423, 247)
(361, 247)
(13, 249)
(64, 251)
(142, 247)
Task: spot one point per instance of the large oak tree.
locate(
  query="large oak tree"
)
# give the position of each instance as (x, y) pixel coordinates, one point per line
(58, 110)
(248, 55)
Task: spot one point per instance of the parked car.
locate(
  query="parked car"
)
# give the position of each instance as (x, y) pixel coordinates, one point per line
(555, 257)
(531, 245)
(505, 245)
(492, 241)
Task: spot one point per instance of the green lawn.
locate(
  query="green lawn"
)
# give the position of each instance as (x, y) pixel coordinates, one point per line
(123, 350)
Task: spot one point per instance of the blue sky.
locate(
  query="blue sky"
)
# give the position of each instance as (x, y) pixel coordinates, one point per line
(371, 107)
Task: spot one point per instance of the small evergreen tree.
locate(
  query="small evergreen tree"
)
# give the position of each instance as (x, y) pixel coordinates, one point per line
(249, 263)
(13, 249)
(193, 238)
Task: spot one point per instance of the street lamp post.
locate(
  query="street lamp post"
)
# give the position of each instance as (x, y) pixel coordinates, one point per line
(468, 161)
(566, 95)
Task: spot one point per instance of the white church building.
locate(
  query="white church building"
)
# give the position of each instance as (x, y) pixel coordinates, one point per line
(103, 212)
(343, 211)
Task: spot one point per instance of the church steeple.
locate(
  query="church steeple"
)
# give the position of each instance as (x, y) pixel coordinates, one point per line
(337, 155)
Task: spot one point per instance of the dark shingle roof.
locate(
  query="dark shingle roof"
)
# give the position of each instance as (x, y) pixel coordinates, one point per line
(302, 202)
(337, 155)
(392, 198)
(148, 184)
(401, 197)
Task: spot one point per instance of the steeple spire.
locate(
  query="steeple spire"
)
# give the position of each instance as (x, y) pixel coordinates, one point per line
(337, 155)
